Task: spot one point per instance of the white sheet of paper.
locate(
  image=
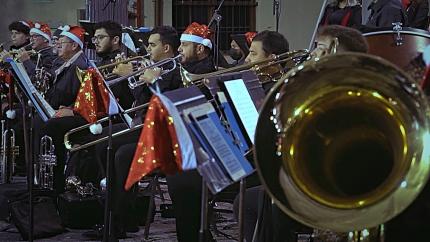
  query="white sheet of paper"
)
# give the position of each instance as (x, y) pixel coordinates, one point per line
(243, 104)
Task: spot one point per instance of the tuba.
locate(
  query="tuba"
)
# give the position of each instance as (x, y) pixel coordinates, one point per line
(8, 153)
(44, 168)
(350, 142)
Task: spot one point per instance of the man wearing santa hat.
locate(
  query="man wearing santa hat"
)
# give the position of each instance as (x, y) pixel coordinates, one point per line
(185, 188)
(62, 95)
(40, 36)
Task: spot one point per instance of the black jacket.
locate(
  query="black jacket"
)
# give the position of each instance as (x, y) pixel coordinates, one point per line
(386, 12)
(334, 15)
(66, 85)
(417, 13)
(48, 60)
(120, 90)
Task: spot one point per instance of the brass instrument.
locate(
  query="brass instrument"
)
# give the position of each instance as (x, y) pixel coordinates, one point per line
(349, 142)
(132, 83)
(187, 78)
(44, 168)
(114, 64)
(8, 153)
(75, 147)
(106, 70)
(260, 67)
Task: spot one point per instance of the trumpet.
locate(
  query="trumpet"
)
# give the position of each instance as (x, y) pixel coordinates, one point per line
(132, 83)
(44, 169)
(8, 153)
(260, 67)
(114, 64)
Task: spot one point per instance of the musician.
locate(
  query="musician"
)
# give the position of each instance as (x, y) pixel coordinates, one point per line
(40, 36)
(163, 43)
(274, 225)
(417, 13)
(62, 95)
(264, 45)
(383, 13)
(107, 40)
(342, 12)
(239, 46)
(19, 35)
(348, 39)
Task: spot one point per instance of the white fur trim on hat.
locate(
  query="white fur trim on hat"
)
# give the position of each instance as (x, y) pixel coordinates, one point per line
(72, 37)
(40, 32)
(196, 39)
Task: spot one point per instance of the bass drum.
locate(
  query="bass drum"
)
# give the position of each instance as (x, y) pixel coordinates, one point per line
(402, 48)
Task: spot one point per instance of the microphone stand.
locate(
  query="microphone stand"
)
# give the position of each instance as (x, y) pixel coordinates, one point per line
(216, 19)
(277, 12)
(108, 235)
(29, 160)
(113, 8)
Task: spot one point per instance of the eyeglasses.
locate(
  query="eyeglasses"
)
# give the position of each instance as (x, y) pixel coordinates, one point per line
(98, 38)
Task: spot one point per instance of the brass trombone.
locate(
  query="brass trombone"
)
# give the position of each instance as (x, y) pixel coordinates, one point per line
(188, 80)
(75, 147)
(260, 67)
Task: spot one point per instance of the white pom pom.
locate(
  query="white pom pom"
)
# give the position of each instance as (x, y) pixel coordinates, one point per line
(103, 184)
(66, 28)
(37, 25)
(96, 128)
(426, 55)
(207, 42)
(10, 114)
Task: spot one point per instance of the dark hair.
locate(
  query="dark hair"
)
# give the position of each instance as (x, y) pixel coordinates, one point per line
(349, 39)
(168, 36)
(20, 27)
(273, 42)
(112, 28)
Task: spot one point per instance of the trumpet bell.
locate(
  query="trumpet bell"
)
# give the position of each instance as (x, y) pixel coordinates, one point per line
(350, 142)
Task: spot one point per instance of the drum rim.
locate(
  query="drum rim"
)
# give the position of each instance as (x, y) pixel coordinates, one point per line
(411, 31)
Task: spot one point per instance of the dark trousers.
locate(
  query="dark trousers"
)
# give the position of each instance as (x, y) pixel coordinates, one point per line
(124, 202)
(185, 190)
(56, 128)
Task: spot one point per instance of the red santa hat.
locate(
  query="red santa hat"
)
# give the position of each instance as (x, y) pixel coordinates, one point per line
(75, 33)
(27, 23)
(42, 29)
(249, 37)
(197, 33)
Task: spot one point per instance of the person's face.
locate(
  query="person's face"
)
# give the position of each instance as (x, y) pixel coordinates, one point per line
(18, 38)
(38, 41)
(188, 51)
(235, 52)
(256, 52)
(157, 50)
(66, 48)
(322, 48)
(55, 45)
(102, 41)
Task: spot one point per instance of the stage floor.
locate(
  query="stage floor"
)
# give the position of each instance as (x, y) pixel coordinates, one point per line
(162, 229)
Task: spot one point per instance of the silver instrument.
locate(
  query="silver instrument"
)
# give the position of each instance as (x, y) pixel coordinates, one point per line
(8, 153)
(44, 169)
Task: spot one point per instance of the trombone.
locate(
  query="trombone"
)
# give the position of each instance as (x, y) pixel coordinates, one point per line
(260, 67)
(75, 147)
(188, 80)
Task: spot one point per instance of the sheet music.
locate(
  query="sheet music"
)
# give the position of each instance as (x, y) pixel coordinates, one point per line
(244, 106)
(42, 106)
